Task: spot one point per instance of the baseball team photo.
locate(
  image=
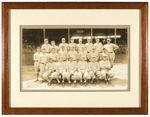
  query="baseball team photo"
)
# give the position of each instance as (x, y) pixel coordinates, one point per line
(75, 58)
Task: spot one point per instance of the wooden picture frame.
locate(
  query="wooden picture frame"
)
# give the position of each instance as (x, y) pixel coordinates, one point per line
(7, 6)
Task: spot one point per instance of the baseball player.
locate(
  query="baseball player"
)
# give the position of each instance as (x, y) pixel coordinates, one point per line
(50, 70)
(61, 68)
(82, 53)
(36, 58)
(105, 68)
(72, 69)
(73, 44)
(83, 69)
(73, 53)
(63, 40)
(80, 45)
(93, 53)
(63, 53)
(99, 47)
(53, 45)
(89, 45)
(109, 49)
(93, 68)
(46, 46)
(43, 61)
(53, 54)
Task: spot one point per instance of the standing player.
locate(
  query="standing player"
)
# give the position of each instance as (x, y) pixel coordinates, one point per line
(63, 40)
(36, 58)
(46, 46)
(73, 44)
(53, 45)
(80, 45)
(89, 45)
(109, 49)
(99, 47)
(43, 61)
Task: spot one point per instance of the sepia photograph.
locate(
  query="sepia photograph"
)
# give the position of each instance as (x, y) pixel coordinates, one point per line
(75, 58)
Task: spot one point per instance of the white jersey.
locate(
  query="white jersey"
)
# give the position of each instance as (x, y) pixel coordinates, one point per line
(82, 54)
(43, 58)
(73, 54)
(99, 47)
(71, 66)
(93, 66)
(63, 44)
(63, 54)
(89, 46)
(47, 47)
(55, 47)
(50, 66)
(104, 64)
(82, 65)
(93, 54)
(79, 47)
(36, 56)
(53, 56)
(61, 66)
(110, 47)
(73, 45)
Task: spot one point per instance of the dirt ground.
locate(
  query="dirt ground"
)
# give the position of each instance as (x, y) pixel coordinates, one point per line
(119, 82)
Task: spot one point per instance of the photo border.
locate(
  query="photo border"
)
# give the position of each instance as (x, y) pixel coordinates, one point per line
(7, 6)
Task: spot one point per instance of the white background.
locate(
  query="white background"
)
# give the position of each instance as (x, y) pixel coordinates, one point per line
(61, 1)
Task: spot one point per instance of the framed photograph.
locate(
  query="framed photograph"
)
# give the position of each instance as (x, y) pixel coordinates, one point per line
(75, 58)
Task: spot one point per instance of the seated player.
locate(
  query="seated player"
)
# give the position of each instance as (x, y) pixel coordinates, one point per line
(36, 58)
(72, 69)
(92, 54)
(82, 53)
(53, 54)
(60, 68)
(83, 69)
(63, 53)
(43, 60)
(105, 68)
(73, 53)
(50, 73)
(93, 68)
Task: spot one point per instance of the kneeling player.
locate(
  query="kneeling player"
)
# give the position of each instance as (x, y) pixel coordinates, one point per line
(50, 73)
(83, 69)
(71, 69)
(93, 68)
(105, 68)
(61, 68)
